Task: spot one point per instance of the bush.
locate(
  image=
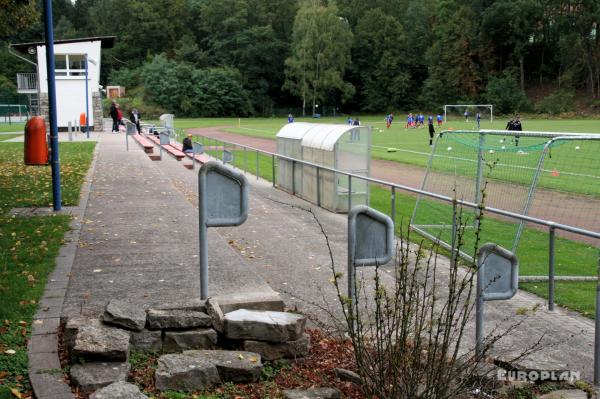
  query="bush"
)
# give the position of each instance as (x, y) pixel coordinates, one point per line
(556, 103)
(504, 92)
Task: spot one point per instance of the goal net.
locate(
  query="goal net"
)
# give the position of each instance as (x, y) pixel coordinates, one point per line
(532, 173)
(456, 112)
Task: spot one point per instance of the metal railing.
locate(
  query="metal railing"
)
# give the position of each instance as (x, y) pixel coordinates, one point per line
(394, 187)
(27, 82)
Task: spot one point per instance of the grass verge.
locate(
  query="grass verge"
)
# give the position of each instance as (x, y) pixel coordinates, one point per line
(28, 247)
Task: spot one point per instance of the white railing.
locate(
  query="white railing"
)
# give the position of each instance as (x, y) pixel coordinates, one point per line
(27, 81)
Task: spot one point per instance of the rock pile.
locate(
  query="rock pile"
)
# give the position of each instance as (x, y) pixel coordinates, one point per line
(190, 336)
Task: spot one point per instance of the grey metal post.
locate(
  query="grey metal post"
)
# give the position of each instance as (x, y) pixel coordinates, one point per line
(349, 193)
(318, 186)
(257, 167)
(551, 234)
(273, 166)
(70, 129)
(479, 308)
(597, 332)
(394, 205)
(203, 237)
(294, 177)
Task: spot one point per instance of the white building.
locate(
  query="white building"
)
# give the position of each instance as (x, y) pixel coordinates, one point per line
(69, 69)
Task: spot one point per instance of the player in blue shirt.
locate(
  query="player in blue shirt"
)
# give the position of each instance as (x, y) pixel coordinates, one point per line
(439, 120)
(290, 118)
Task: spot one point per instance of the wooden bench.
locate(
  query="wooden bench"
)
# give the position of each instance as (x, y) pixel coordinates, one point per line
(146, 144)
(202, 158)
(170, 148)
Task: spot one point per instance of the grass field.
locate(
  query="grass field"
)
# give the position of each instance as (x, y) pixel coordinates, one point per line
(12, 127)
(28, 247)
(572, 258)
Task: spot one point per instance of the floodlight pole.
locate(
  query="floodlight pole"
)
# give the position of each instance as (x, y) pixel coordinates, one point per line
(54, 158)
(87, 105)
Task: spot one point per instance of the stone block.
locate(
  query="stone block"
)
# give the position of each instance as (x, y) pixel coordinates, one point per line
(101, 343)
(264, 325)
(260, 300)
(196, 304)
(145, 340)
(233, 366)
(72, 326)
(177, 319)
(119, 390)
(565, 394)
(280, 350)
(185, 373)
(90, 377)
(178, 341)
(347, 375)
(126, 315)
(312, 393)
(216, 314)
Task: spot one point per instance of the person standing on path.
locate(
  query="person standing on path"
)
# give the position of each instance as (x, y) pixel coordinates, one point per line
(431, 130)
(134, 117)
(114, 116)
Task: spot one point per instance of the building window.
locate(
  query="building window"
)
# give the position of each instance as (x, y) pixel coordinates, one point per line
(69, 64)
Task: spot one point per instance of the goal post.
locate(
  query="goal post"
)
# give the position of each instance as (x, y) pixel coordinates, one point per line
(469, 107)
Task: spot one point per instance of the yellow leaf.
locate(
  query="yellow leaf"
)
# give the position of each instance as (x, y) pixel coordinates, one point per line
(253, 359)
(241, 356)
(16, 393)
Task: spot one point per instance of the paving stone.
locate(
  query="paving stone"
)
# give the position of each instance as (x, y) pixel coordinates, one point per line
(177, 319)
(185, 373)
(125, 314)
(178, 341)
(119, 390)
(259, 300)
(565, 394)
(264, 325)
(72, 326)
(146, 340)
(280, 350)
(50, 385)
(45, 326)
(101, 343)
(46, 343)
(347, 375)
(313, 393)
(216, 314)
(233, 366)
(43, 362)
(90, 377)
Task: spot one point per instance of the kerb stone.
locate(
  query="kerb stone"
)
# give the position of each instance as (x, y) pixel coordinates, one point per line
(233, 366)
(178, 341)
(264, 325)
(92, 376)
(280, 350)
(313, 393)
(185, 373)
(177, 319)
(126, 315)
(119, 390)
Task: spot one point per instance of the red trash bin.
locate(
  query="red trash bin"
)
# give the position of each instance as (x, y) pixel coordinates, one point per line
(36, 144)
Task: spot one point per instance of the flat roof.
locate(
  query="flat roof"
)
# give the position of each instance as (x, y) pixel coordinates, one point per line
(106, 42)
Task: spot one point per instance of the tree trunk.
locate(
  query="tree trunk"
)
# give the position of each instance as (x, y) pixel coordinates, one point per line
(303, 105)
(522, 71)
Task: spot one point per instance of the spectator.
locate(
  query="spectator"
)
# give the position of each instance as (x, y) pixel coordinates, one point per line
(134, 117)
(431, 130)
(114, 115)
(119, 118)
(187, 144)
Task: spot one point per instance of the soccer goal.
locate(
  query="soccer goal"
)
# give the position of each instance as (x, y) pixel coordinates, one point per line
(457, 111)
(552, 176)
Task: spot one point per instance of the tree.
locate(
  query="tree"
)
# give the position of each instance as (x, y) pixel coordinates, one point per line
(320, 54)
(504, 92)
(380, 61)
(16, 15)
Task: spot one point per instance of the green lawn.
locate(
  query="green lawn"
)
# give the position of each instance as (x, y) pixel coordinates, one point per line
(4, 137)
(28, 247)
(12, 127)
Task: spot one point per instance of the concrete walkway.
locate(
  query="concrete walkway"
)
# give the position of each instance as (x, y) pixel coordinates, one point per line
(139, 242)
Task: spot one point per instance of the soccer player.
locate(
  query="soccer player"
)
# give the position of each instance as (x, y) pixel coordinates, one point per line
(389, 119)
(466, 116)
(439, 120)
(431, 129)
(478, 119)
(290, 118)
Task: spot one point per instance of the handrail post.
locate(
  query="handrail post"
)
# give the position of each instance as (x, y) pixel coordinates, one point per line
(318, 186)
(257, 167)
(349, 193)
(597, 332)
(394, 205)
(551, 235)
(293, 177)
(273, 167)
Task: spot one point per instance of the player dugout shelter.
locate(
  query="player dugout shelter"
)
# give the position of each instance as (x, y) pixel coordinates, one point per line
(342, 147)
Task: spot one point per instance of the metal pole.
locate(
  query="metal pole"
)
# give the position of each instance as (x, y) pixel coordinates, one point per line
(551, 269)
(54, 160)
(349, 193)
(597, 332)
(70, 131)
(394, 205)
(318, 186)
(294, 177)
(203, 238)
(273, 166)
(87, 106)
(257, 167)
